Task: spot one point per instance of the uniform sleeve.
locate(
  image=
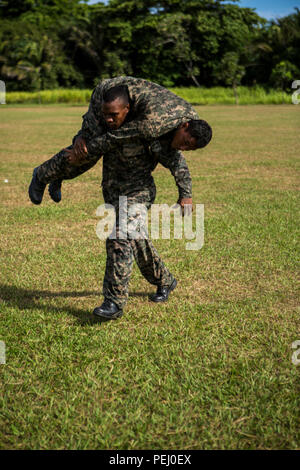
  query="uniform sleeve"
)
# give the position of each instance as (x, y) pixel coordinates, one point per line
(176, 163)
(102, 142)
(93, 130)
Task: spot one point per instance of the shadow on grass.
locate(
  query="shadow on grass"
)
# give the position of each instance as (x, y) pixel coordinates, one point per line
(25, 299)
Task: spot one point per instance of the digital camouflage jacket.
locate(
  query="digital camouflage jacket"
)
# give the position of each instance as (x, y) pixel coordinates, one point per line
(154, 113)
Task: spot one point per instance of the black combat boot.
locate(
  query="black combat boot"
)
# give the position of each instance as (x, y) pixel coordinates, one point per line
(55, 190)
(36, 188)
(162, 293)
(108, 311)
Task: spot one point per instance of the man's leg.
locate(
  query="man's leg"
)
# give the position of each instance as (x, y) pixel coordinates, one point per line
(54, 171)
(119, 261)
(58, 167)
(120, 253)
(150, 263)
(146, 256)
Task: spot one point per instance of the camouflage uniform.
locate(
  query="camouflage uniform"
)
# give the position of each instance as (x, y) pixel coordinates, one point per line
(154, 111)
(127, 172)
(130, 155)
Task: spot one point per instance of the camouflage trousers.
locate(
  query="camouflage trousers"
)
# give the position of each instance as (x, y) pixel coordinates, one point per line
(122, 249)
(120, 252)
(58, 168)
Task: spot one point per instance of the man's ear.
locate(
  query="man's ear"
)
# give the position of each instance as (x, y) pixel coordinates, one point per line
(126, 107)
(185, 125)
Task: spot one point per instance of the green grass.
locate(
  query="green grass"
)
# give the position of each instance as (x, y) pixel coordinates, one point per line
(221, 95)
(211, 368)
(197, 96)
(75, 96)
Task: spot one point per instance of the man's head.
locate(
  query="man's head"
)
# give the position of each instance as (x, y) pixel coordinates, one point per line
(192, 135)
(115, 106)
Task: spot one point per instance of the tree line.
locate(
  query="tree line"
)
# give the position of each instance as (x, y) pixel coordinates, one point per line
(47, 44)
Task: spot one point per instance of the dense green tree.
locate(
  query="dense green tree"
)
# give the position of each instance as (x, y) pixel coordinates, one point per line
(232, 72)
(52, 43)
(283, 74)
(53, 8)
(277, 41)
(15, 8)
(34, 59)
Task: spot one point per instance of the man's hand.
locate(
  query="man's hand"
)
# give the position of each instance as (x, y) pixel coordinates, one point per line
(77, 155)
(186, 204)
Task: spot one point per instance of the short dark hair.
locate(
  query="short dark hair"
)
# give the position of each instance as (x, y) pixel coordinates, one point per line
(116, 92)
(201, 130)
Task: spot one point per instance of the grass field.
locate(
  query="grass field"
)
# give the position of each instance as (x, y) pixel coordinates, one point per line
(210, 369)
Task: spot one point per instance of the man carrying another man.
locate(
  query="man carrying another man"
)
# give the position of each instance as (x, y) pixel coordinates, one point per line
(134, 124)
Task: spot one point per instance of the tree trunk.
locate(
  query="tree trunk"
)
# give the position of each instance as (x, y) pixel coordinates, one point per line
(190, 71)
(195, 81)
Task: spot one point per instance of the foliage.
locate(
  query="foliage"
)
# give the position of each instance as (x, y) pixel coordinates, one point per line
(231, 71)
(283, 74)
(33, 57)
(68, 43)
